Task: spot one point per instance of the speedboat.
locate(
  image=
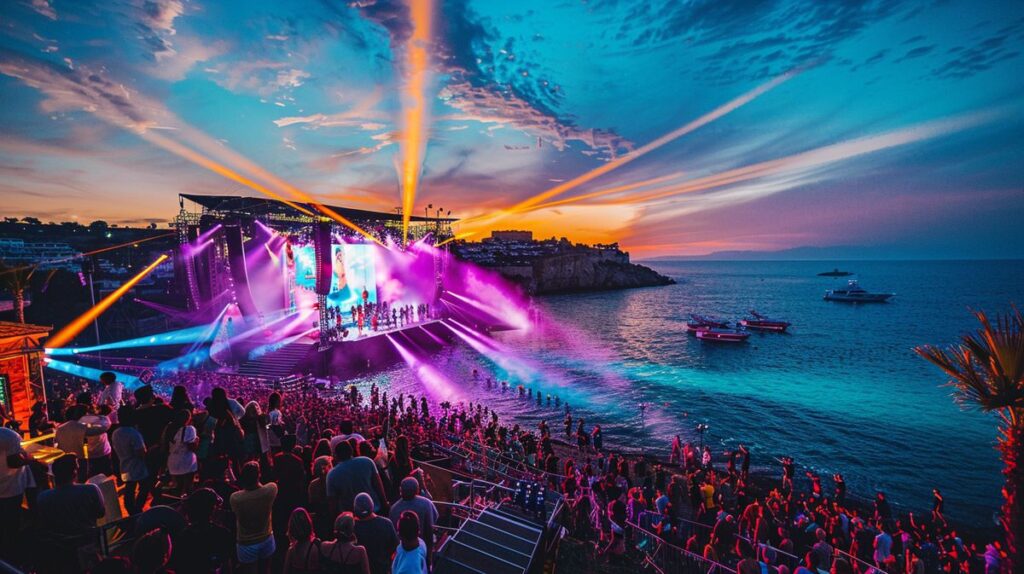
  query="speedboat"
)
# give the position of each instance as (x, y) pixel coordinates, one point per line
(704, 323)
(723, 335)
(854, 293)
(762, 323)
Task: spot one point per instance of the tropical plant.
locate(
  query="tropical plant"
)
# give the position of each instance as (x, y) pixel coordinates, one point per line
(986, 371)
(15, 280)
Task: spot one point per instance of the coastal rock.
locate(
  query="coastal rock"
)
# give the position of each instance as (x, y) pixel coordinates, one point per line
(592, 270)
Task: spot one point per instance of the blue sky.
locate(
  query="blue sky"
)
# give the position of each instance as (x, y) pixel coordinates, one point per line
(886, 124)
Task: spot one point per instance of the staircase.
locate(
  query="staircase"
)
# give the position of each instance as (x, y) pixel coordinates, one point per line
(496, 542)
(277, 364)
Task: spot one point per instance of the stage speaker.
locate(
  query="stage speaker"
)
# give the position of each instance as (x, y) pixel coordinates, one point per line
(239, 271)
(323, 251)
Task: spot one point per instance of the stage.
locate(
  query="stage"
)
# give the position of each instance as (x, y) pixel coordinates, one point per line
(347, 358)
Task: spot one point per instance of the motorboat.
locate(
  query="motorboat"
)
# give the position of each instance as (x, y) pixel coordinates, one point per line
(704, 323)
(762, 323)
(835, 273)
(854, 293)
(723, 335)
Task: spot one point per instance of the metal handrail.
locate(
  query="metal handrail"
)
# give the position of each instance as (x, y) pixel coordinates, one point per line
(838, 553)
(710, 565)
(524, 464)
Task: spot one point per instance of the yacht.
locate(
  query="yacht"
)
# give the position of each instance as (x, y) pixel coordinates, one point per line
(854, 293)
(762, 323)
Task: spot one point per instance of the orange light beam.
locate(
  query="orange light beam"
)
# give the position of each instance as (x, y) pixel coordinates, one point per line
(648, 147)
(212, 147)
(201, 160)
(69, 332)
(457, 237)
(88, 253)
(824, 155)
(609, 191)
(809, 159)
(414, 113)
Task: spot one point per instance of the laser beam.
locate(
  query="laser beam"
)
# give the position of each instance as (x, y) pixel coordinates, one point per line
(69, 332)
(825, 155)
(643, 150)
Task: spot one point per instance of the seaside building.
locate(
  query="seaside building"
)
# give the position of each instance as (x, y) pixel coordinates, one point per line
(510, 236)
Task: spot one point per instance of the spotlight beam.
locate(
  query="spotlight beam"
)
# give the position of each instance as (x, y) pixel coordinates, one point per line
(641, 151)
(816, 158)
(414, 104)
(69, 332)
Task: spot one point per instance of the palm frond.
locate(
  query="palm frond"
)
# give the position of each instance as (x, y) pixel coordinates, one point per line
(986, 368)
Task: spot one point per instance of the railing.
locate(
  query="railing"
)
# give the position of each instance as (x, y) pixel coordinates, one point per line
(858, 564)
(790, 560)
(667, 558)
(490, 493)
(472, 514)
(684, 527)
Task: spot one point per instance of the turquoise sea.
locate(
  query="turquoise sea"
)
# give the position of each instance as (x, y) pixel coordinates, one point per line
(842, 391)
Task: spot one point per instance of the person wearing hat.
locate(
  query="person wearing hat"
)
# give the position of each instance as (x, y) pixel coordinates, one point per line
(375, 533)
(343, 554)
(421, 505)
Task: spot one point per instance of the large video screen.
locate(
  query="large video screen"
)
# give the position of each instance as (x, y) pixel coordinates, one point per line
(352, 272)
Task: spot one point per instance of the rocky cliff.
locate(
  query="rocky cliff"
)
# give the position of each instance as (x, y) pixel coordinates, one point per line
(592, 270)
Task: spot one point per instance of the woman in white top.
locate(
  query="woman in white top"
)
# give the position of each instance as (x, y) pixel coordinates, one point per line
(181, 442)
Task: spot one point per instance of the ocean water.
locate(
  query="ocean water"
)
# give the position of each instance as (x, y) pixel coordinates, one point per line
(842, 391)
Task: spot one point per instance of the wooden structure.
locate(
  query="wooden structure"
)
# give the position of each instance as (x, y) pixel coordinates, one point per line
(21, 368)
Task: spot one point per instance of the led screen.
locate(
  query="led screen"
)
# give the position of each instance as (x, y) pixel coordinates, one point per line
(352, 272)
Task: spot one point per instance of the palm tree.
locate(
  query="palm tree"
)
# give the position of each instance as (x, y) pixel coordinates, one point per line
(986, 371)
(16, 281)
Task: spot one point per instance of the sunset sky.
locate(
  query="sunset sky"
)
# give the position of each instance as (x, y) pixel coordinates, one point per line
(712, 124)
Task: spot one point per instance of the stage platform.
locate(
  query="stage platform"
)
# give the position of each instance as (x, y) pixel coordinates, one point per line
(351, 357)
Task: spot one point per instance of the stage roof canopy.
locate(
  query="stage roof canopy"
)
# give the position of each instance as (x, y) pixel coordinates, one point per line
(256, 206)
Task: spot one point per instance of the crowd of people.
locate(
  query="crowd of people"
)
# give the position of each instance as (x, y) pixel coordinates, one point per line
(325, 481)
(718, 511)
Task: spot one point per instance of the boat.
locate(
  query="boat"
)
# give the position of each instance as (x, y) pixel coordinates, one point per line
(835, 273)
(854, 293)
(704, 323)
(723, 335)
(762, 323)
